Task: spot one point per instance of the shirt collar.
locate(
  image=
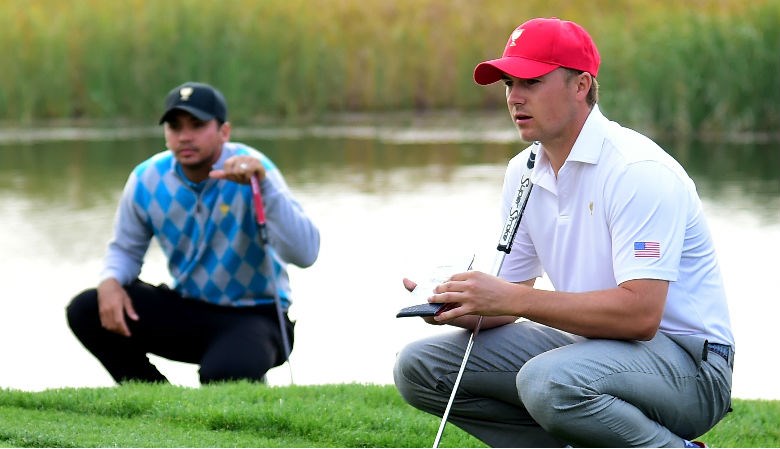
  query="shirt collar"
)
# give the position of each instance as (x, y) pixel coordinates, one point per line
(587, 149)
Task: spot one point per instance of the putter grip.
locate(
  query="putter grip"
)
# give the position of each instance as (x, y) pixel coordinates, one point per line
(518, 207)
(257, 197)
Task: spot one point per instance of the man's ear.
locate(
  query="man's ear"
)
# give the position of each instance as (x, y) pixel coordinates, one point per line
(224, 131)
(584, 82)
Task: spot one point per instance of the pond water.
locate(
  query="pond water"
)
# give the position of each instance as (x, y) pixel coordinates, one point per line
(388, 204)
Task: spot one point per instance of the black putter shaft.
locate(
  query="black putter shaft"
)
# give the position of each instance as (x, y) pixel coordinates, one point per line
(257, 197)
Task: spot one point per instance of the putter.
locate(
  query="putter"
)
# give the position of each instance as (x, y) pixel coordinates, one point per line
(261, 225)
(508, 233)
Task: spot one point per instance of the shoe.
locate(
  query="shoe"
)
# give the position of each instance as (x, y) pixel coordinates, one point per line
(695, 444)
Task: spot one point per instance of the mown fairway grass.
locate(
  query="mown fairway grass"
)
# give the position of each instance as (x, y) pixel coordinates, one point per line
(249, 415)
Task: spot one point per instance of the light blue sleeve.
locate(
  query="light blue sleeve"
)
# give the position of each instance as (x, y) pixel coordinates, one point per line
(126, 250)
(291, 232)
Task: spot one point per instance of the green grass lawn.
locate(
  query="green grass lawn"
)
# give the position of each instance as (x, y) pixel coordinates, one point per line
(250, 415)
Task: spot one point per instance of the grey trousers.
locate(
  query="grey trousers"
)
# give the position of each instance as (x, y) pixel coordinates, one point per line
(529, 385)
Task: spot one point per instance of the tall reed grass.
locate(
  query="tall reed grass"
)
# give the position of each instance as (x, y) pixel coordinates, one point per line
(677, 67)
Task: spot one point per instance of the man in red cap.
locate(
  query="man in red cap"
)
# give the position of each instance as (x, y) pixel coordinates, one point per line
(634, 345)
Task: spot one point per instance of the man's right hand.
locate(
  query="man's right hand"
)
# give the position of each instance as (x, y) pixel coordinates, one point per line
(113, 304)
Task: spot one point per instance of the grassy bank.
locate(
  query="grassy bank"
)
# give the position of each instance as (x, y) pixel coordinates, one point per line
(679, 67)
(246, 415)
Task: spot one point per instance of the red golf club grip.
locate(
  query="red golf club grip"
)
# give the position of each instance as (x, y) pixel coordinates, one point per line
(257, 198)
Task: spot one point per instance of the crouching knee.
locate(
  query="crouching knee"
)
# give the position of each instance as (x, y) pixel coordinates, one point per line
(82, 313)
(548, 393)
(413, 377)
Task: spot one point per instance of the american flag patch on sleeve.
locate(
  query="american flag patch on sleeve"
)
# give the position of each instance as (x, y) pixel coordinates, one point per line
(647, 249)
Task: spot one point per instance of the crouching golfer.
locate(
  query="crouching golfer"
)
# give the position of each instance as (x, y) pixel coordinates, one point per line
(634, 346)
(195, 199)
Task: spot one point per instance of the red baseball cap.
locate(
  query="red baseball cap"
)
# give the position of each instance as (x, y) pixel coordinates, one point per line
(540, 46)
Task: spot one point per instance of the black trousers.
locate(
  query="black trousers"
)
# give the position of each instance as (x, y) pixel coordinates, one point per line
(229, 343)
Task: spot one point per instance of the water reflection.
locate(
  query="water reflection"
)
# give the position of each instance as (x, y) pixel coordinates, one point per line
(386, 210)
(743, 175)
(84, 174)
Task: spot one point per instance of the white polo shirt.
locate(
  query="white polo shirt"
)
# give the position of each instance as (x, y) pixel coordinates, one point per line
(620, 209)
